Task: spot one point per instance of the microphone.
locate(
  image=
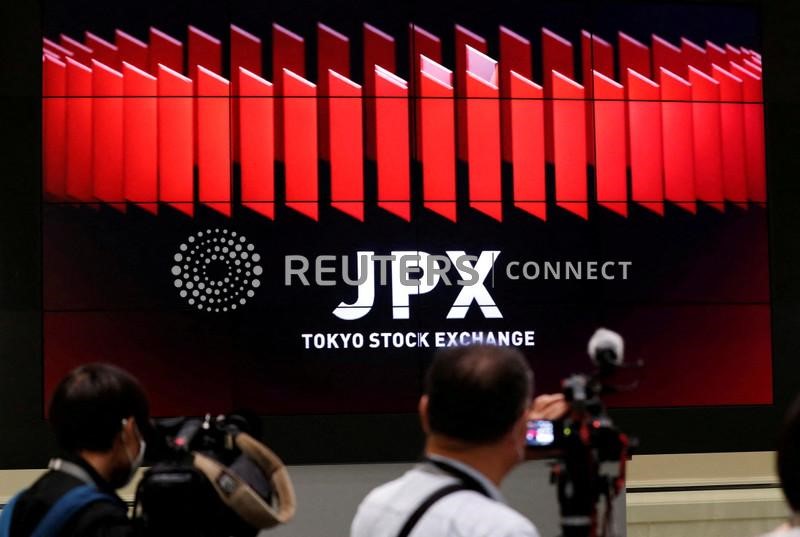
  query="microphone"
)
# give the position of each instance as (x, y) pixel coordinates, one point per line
(606, 349)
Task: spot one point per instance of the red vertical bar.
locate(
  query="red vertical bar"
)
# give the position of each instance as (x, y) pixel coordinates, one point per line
(437, 125)
(213, 140)
(734, 174)
(483, 134)
(676, 113)
(668, 56)
(346, 143)
(706, 134)
(753, 133)
(695, 55)
(300, 138)
(632, 55)
(598, 55)
(140, 148)
(175, 140)
(245, 52)
(556, 56)
(103, 51)
(716, 54)
(464, 37)
(379, 49)
(756, 69)
(257, 149)
(734, 54)
(333, 52)
(132, 50)
(391, 143)
(204, 50)
(54, 88)
(166, 50)
(569, 145)
(610, 159)
(423, 43)
(288, 52)
(527, 144)
(644, 133)
(107, 156)
(79, 131)
(81, 52)
(515, 55)
(257, 143)
(52, 46)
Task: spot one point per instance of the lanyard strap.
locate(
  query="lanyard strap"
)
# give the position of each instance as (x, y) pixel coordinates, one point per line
(70, 468)
(465, 482)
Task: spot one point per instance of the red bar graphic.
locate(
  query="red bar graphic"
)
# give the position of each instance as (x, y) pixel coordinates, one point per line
(166, 50)
(107, 154)
(392, 144)
(139, 148)
(437, 124)
(526, 113)
(245, 52)
(288, 52)
(716, 54)
(734, 168)
(596, 54)
(213, 140)
(257, 149)
(81, 52)
(611, 160)
(633, 55)
(378, 50)
(103, 51)
(300, 136)
(346, 142)
(569, 145)
(734, 54)
(755, 68)
(54, 88)
(175, 140)
(676, 112)
(556, 56)
(695, 55)
(706, 134)
(753, 134)
(333, 52)
(427, 44)
(79, 131)
(647, 163)
(132, 50)
(54, 47)
(204, 50)
(515, 55)
(483, 134)
(668, 56)
(464, 37)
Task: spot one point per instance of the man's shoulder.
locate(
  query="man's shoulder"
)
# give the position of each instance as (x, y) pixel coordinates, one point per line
(476, 515)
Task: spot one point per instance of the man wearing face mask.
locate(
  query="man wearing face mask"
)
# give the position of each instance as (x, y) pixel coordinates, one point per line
(99, 414)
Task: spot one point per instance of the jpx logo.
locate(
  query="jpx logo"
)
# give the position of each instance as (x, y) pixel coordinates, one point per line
(407, 273)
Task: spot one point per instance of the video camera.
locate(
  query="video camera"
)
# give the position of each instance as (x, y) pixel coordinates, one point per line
(212, 479)
(592, 453)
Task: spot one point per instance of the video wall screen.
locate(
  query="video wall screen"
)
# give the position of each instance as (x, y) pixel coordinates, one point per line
(288, 208)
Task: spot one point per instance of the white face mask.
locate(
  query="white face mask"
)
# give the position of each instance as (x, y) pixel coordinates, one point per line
(136, 462)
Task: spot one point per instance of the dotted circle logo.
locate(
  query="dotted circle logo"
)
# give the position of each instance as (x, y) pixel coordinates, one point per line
(217, 270)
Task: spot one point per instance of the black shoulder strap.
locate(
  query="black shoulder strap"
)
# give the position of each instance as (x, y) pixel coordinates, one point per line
(466, 482)
(429, 501)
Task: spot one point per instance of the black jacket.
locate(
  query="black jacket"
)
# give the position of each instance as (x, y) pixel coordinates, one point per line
(99, 519)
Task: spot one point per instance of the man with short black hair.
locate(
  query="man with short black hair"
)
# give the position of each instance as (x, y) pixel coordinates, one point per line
(99, 414)
(789, 470)
(474, 411)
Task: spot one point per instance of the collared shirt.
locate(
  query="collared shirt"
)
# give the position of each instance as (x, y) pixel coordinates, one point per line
(461, 514)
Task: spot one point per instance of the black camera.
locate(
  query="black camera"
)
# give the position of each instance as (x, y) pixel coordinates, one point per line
(211, 479)
(592, 452)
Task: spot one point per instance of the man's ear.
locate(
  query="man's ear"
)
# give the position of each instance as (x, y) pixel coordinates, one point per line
(423, 414)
